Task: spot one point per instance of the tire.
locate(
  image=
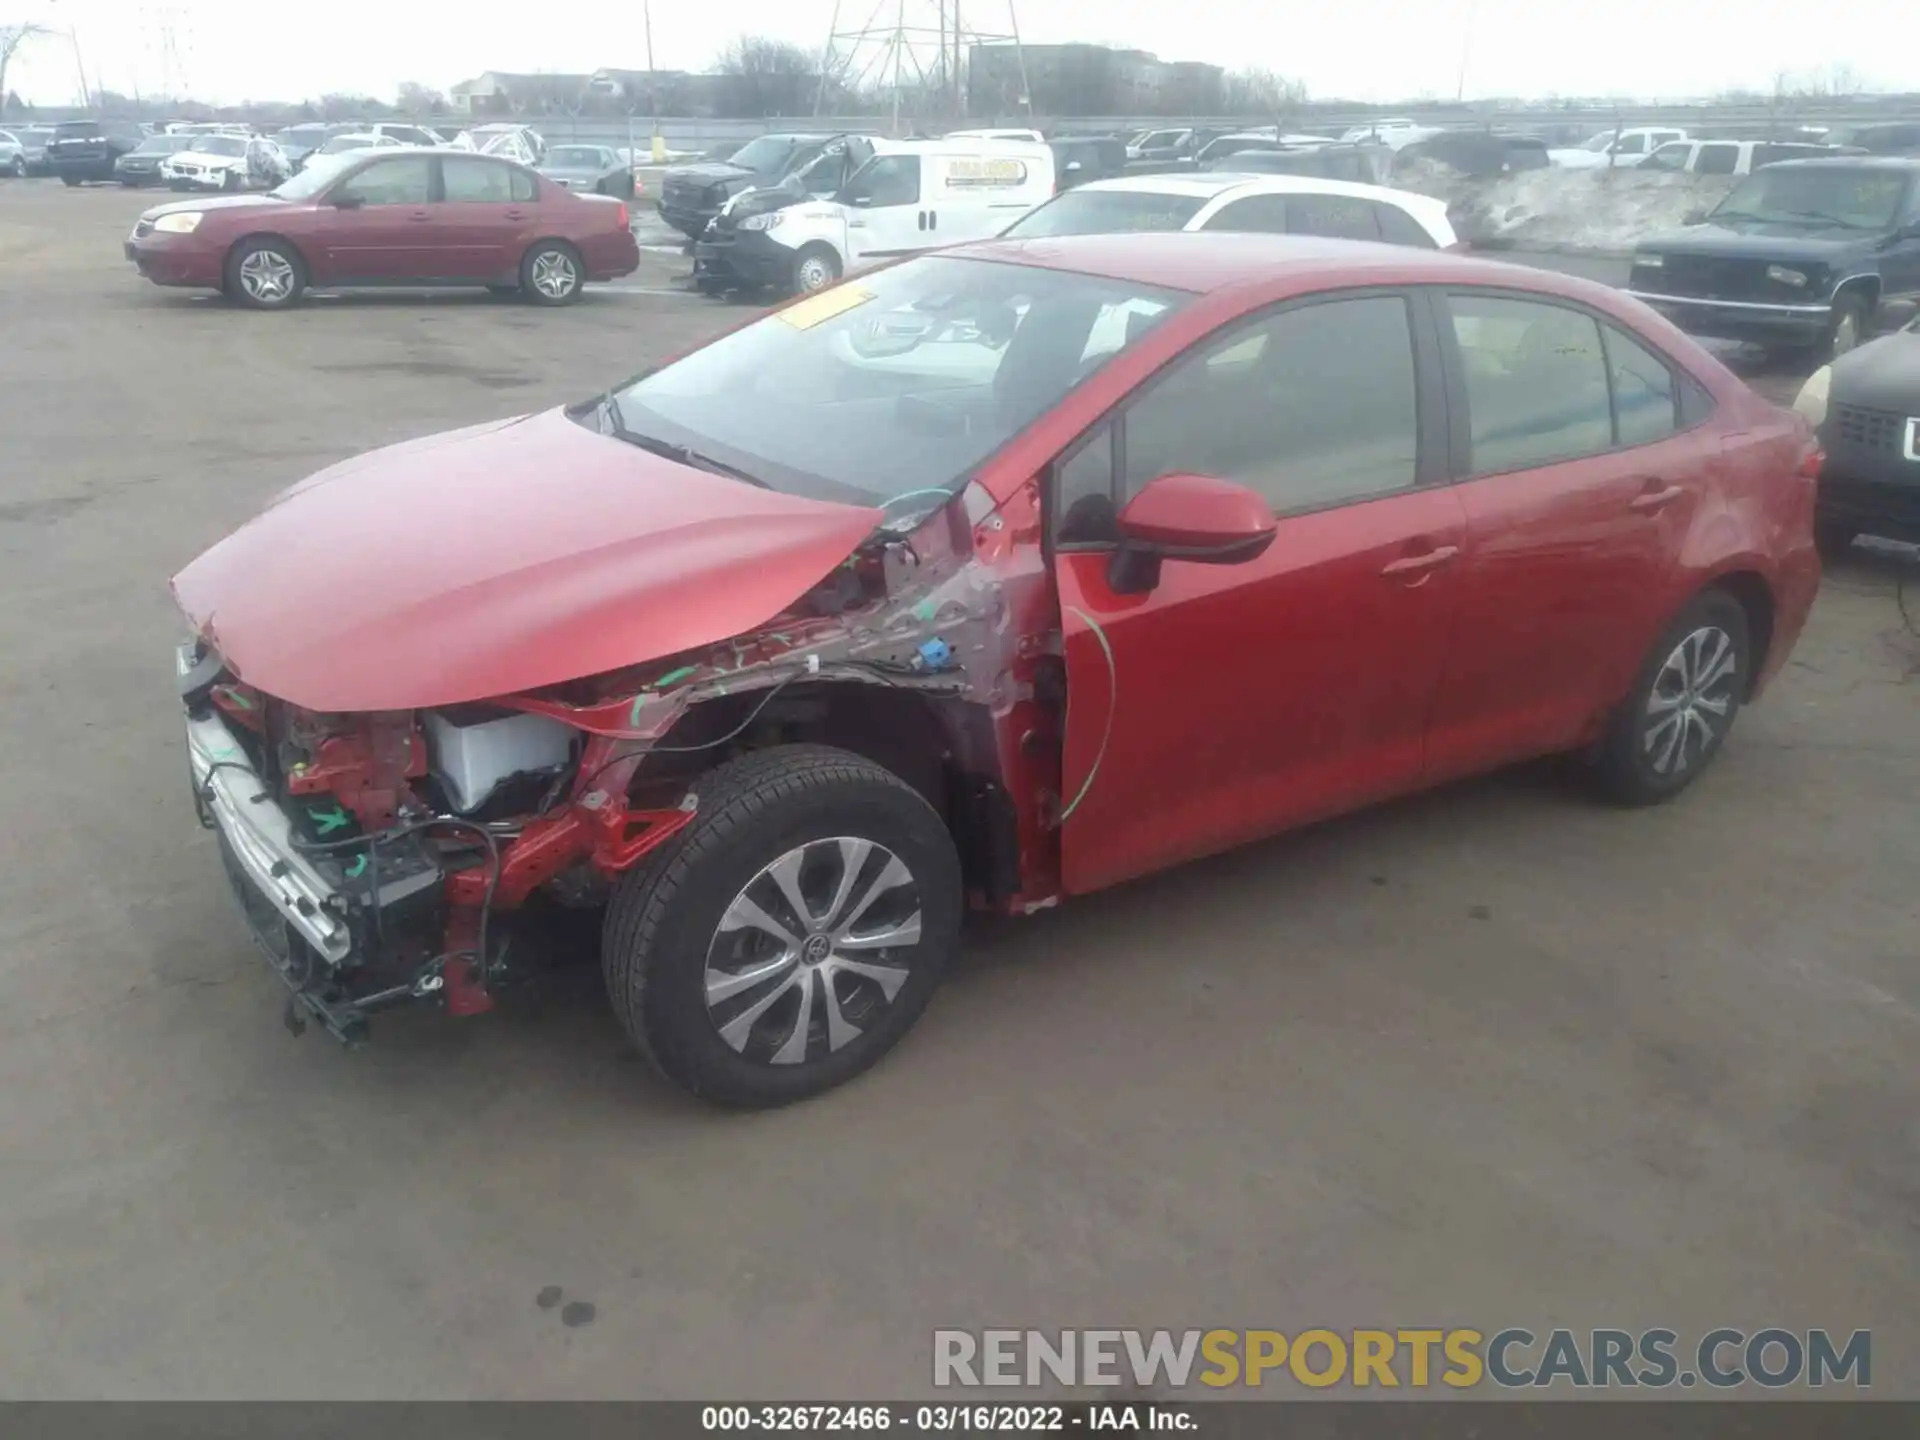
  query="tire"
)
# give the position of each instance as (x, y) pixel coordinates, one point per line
(230, 182)
(814, 269)
(265, 275)
(1834, 538)
(71, 181)
(787, 806)
(551, 273)
(1848, 329)
(1638, 764)
(19, 167)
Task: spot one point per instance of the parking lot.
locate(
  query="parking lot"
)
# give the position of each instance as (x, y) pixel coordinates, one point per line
(1495, 1056)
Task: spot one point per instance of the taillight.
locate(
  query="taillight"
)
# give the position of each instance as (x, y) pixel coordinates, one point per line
(1811, 460)
(626, 220)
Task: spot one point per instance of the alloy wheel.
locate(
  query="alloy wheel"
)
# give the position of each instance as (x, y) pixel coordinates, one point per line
(812, 950)
(267, 277)
(554, 275)
(1692, 700)
(815, 274)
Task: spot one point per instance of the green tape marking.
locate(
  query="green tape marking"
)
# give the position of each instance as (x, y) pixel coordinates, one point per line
(330, 820)
(672, 675)
(358, 868)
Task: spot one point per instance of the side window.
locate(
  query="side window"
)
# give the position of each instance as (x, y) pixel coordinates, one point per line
(525, 189)
(1337, 216)
(1631, 145)
(888, 180)
(404, 181)
(1671, 156)
(475, 182)
(1311, 407)
(1083, 493)
(1397, 227)
(1718, 159)
(1645, 398)
(1264, 213)
(1536, 382)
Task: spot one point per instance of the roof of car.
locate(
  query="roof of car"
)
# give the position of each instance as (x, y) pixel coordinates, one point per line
(1213, 184)
(1850, 162)
(1203, 261)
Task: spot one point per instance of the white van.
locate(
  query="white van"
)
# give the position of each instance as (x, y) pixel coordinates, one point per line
(913, 195)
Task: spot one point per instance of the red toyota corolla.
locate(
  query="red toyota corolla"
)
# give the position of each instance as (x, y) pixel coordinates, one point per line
(390, 217)
(993, 577)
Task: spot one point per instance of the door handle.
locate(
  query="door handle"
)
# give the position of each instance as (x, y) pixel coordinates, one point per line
(516, 213)
(1652, 501)
(933, 219)
(922, 217)
(1422, 563)
(421, 215)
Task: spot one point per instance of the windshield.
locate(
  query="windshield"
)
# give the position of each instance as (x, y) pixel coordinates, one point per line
(340, 144)
(68, 129)
(900, 382)
(578, 157)
(219, 145)
(161, 144)
(769, 152)
(1787, 195)
(1106, 212)
(311, 181)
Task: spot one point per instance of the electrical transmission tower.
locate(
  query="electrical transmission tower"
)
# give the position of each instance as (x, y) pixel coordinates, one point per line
(917, 50)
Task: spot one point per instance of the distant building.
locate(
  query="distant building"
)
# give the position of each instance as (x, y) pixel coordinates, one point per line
(1078, 79)
(501, 92)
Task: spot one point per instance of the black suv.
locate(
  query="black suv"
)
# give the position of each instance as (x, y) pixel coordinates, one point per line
(691, 195)
(88, 149)
(1800, 256)
(1080, 158)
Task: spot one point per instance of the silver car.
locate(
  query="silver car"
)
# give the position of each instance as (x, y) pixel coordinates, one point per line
(13, 156)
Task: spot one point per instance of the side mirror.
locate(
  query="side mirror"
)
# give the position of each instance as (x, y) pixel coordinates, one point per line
(345, 202)
(1187, 517)
(1695, 216)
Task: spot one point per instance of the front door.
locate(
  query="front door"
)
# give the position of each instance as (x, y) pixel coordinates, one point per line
(1579, 488)
(885, 216)
(1231, 701)
(377, 223)
(1900, 261)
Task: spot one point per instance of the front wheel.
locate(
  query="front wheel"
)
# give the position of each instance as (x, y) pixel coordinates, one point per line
(71, 180)
(814, 269)
(1683, 703)
(265, 274)
(551, 274)
(19, 167)
(791, 934)
(1847, 330)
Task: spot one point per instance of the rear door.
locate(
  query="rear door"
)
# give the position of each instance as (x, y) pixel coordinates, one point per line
(377, 224)
(1233, 700)
(478, 218)
(1578, 484)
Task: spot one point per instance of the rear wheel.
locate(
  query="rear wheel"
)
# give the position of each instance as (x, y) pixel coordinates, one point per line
(265, 275)
(70, 179)
(19, 167)
(1683, 703)
(791, 934)
(550, 273)
(1849, 327)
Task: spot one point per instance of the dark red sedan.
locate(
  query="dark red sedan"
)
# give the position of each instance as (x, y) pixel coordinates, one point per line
(390, 217)
(997, 576)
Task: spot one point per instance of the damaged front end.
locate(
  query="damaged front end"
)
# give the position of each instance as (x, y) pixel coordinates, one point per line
(388, 857)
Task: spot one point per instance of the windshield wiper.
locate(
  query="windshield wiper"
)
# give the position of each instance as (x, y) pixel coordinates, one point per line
(685, 454)
(1825, 219)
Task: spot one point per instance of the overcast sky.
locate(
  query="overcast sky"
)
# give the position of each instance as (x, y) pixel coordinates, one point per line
(232, 50)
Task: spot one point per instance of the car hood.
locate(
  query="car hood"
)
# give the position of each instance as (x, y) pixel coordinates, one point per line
(1749, 239)
(1883, 374)
(210, 202)
(497, 559)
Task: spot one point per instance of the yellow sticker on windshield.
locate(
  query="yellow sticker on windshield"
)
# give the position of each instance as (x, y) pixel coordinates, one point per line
(823, 307)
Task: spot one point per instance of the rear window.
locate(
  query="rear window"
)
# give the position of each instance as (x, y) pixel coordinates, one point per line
(1106, 212)
(76, 129)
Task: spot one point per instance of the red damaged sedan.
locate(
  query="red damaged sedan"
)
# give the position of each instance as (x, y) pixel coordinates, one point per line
(990, 578)
(390, 217)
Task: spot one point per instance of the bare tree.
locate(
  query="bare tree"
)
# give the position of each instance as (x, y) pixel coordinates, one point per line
(771, 77)
(1258, 91)
(12, 37)
(417, 99)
